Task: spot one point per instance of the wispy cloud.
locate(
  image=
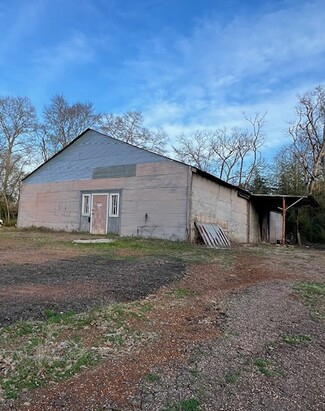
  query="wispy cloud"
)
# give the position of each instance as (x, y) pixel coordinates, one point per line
(52, 64)
(73, 51)
(199, 67)
(254, 63)
(17, 23)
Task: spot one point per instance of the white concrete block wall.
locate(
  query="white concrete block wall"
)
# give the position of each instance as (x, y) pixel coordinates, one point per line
(254, 229)
(158, 202)
(275, 227)
(153, 203)
(214, 203)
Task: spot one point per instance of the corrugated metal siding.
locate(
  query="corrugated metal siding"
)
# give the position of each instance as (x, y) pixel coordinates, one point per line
(92, 150)
(212, 235)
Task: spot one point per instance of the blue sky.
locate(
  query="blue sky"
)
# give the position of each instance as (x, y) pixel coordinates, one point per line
(185, 64)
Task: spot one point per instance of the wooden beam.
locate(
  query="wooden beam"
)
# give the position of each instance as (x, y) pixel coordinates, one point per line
(283, 221)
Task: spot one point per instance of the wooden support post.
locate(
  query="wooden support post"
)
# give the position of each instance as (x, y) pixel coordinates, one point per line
(283, 241)
(297, 227)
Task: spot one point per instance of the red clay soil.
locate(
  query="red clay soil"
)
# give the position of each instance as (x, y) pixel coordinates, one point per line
(180, 326)
(46, 292)
(27, 253)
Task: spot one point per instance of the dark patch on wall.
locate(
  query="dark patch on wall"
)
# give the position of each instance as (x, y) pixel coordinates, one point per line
(128, 170)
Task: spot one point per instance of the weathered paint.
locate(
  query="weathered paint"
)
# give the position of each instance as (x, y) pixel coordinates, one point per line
(158, 197)
(128, 170)
(217, 204)
(154, 203)
(254, 232)
(99, 218)
(90, 151)
(151, 204)
(275, 227)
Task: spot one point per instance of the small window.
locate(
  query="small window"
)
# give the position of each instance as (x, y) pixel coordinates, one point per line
(85, 207)
(114, 205)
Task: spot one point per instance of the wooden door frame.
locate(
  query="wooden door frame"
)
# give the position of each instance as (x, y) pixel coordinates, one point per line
(92, 206)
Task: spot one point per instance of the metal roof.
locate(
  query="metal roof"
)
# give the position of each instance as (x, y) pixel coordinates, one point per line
(119, 153)
(274, 202)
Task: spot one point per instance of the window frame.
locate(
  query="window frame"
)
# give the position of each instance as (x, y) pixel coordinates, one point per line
(110, 208)
(83, 203)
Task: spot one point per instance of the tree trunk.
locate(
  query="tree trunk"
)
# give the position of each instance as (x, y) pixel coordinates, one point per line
(7, 211)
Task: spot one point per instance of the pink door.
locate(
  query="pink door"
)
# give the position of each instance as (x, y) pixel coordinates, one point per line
(99, 214)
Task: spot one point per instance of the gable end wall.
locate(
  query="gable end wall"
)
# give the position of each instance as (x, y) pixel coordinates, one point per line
(153, 202)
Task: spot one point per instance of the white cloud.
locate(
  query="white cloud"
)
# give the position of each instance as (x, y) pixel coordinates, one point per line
(50, 64)
(73, 50)
(18, 22)
(255, 63)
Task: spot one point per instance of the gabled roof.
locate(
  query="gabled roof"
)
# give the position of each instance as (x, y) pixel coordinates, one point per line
(56, 154)
(126, 153)
(99, 150)
(75, 140)
(111, 151)
(146, 153)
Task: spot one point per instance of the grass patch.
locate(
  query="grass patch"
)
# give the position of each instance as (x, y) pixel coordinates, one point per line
(135, 247)
(181, 293)
(272, 345)
(191, 404)
(23, 328)
(296, 339)
(264, 366)
(56, 318)
(145, 307)
(121, 248)
(32, 354)
(312, 294)
(232, 377)
(33, 365)
(116, 339)
(152, 377)
(310, 289)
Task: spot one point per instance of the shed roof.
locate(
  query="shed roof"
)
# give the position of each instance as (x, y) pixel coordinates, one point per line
(274, 202)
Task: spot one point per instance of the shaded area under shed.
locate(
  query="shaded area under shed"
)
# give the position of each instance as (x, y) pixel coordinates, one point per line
(270, 204)
(274, 202)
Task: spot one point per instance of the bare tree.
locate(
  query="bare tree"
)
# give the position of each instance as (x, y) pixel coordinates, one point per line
(308, 136)
(18, 123)
(62, 122)
(256, 140)
(129, 127)
(232, 155)
(226, 152)
(195, 149)
(287, 174)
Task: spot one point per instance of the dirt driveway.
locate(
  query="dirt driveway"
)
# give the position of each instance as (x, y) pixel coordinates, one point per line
(233, 330)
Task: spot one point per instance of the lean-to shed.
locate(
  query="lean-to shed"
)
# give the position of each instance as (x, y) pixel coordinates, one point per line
(98, 184)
